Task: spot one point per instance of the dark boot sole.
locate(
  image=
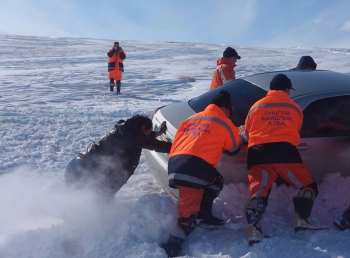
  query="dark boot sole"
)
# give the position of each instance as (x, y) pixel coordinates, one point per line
(253, 242)
(340, 227)
(210, 227)
(312, 230)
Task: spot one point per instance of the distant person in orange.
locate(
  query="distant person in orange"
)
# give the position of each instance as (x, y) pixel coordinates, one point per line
(115, 66)
(225, 71)
(198, 145)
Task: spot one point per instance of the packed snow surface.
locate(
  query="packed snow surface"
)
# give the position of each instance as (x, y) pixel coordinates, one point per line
(55, 100)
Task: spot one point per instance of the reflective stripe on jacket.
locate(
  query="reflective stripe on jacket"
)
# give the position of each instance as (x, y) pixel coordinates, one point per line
(223, 73)
(191, 171)
(274, 118)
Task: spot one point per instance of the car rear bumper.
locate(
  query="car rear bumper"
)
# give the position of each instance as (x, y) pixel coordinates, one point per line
(158, 164)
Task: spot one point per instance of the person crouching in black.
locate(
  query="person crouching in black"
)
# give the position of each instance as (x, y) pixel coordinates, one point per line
(108, 163)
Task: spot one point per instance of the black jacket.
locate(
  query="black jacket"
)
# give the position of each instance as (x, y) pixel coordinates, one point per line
(116, 154)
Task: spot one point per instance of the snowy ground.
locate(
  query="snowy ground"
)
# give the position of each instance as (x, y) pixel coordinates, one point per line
(54, 100)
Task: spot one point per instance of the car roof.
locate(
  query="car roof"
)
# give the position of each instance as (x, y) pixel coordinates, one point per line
(305, 81)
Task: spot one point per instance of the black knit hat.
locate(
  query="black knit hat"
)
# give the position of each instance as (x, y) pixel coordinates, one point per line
(306, 62)
(280, 82)
(230, 52)
(223, 99)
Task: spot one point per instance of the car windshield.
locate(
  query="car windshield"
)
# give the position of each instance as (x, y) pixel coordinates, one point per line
(243, 96)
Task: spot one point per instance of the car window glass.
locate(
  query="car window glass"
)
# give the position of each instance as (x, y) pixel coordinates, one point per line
(327, 117)
(243, 96)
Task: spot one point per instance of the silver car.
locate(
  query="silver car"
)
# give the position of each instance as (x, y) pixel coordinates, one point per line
(324, 97)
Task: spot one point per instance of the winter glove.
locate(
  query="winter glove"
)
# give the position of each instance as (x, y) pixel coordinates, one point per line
(242, 134)
(81, 156)
(162, 128)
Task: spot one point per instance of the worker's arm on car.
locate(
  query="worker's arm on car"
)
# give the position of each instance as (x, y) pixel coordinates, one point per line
(232, 147)
(232, 152)
(242, 134)
(158, 146)
(162, 129)
(151, 143)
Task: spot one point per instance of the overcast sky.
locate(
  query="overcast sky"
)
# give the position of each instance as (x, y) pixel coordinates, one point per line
(251, 23)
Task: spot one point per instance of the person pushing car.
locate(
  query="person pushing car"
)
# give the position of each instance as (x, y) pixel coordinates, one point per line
(272, 130)
(198, 145)
(107, 163)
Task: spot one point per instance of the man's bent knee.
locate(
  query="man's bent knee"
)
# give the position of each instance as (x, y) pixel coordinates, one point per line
(310, 191)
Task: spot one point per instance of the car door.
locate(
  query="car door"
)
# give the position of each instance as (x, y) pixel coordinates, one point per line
(325, 136)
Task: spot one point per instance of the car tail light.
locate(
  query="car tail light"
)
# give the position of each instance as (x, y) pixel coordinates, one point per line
(155, 111)
(174, 196)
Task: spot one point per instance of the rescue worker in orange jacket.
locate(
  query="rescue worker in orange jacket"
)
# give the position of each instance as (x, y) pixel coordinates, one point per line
(272, 130)
(115, 66)
(225, 71)
(198, 145)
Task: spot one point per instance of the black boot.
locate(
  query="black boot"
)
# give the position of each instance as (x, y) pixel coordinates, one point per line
(344, 221)
(111, 87)
(209, 196)
(187, 225)
(118, 87)
(175, 241)
(204, 217)
(208, 221)
(303, 207)
(253, 212)
(254, 232)
(173, 246)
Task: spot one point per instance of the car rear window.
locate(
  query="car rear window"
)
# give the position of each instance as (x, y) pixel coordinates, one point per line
(243, 96)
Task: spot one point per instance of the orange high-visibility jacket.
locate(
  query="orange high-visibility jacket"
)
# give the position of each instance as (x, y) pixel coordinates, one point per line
(223, 73)
(115, 64)
(274, 118)
(205, 135)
